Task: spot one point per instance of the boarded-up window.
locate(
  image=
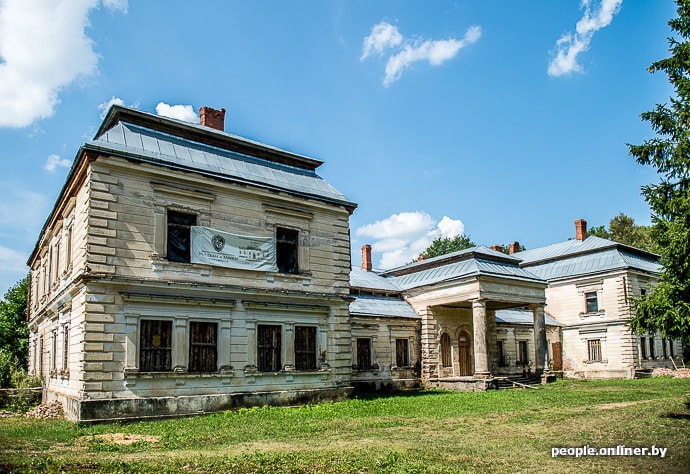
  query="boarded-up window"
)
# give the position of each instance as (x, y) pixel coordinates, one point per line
(203, 352)
(402, 355)
(523, 353)
(269, 348)
(591, 302)
(155, 348)
(286, 250)
(445, 350)
(501, 354)
(363, 353)
(179, 236)
(594, 350)
(305, 348)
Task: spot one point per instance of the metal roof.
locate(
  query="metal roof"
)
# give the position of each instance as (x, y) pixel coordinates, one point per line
(146, 144)
(521, 316)
(371, 280)
(382, 306)
(473, 266)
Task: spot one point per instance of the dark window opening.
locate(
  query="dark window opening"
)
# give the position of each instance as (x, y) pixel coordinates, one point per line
(523, 353)
(651, 347)
(286, 250)
(664, 353)
(501, 354)
(305, 348)
(643, 347)
(155, 349)
(402, 355)
(65, 347)
(269, 348)
(203, 352)
(179, 236)
(363, 353)
(445, 350)
(591, 301)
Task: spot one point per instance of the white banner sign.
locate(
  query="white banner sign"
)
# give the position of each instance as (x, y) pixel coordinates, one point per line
(214, 247)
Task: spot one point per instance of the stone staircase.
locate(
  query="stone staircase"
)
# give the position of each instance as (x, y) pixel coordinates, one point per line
(516, 381)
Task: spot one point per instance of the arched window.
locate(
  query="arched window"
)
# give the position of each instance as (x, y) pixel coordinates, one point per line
(445, 350)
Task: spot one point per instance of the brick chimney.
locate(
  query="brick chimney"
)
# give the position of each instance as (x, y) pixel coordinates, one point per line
(580, 229)
(366, 257)
(497, 248)
(212, 118)
(421, 257)
(514, 247)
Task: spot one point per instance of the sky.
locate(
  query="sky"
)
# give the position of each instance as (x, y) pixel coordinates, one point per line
(501, 120)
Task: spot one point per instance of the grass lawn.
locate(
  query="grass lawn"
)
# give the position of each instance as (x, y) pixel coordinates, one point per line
(434, 431)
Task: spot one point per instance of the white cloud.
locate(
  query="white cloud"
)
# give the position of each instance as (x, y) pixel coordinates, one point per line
(118, 5)
(401, 237)
(105, 106)
(386, 36)
(180, 112)
(569, 46)
(54, 161)
(382, 36)
(43, 48)
(13, 261)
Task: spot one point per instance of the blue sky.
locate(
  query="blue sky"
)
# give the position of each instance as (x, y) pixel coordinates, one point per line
(502, 120)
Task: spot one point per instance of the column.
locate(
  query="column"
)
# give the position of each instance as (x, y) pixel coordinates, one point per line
(540, 348)
(481, 355)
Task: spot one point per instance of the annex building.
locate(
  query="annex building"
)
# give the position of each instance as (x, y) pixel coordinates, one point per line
(187, 270)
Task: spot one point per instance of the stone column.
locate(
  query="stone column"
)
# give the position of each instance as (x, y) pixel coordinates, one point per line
(481, 353)
(540, 348)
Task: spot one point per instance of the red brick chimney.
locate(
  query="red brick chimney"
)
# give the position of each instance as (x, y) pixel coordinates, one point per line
(421, 257)
(497, 248)
(212, 118)
(366, 257)
(580, 229)
(514, 247)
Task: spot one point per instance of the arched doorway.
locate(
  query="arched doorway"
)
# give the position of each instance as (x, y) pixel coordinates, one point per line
(464, 353)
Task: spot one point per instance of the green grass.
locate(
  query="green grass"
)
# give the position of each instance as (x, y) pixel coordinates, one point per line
(433, 431)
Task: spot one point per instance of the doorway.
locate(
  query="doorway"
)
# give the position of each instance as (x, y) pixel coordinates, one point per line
(464, 353)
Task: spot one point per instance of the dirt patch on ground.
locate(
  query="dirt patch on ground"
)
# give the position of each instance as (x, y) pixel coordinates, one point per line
(611, 406)
(122, 438)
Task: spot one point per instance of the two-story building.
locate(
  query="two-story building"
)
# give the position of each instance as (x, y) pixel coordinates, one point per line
(184, 269)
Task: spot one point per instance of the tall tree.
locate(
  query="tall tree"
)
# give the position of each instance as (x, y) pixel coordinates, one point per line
(444, 245)
(667, 307)
(13, 328)
(623, 229)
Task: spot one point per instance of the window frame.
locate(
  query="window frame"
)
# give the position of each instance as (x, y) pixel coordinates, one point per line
(594, 350)
(65, 347)
(591, 302)
(364, 359)
(446, 358)
(172, 254)
(287, 250)
(643, 347)
(305, 356)
(144, 349)
(500, 350)
(269, 356)
(199, 349)
(523, 354)
(402, 354)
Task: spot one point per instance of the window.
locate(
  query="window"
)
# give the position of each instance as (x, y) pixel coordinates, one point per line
(68, 247)
(643, 291)
(49, 280)
(56, 275)
(594, 350)
(179, 236)
(501, 354)
(155, 348)
(670, 347)
(203, 352)
(286, 250)
(445, 350)
(643, 347)
(305, 348)
(523, 353)
(269, 347)
(664, 354)
(65, 347)
(402, 355)
(53, 351)
(40, 356)
(591, 302)
(651, 347)
(363, 353)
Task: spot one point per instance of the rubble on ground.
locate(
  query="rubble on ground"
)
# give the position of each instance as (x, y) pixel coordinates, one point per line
(7, 413)
(47, 411)
(681, 373)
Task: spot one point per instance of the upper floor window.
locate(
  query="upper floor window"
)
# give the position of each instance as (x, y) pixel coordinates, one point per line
(179, 236)
(591, 301)
(286, 250)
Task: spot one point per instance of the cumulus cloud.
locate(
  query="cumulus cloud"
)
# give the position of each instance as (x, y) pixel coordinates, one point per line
(105, 106)
(401, 237)
(570, 45)
(382, 36)
(385, 36)
(43, 49)
(54, 161)
(180, 112)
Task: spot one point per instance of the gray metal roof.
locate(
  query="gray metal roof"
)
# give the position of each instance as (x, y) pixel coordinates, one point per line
(592, 255)
(154, 146)
(473, 266)
(381, 306)
(521, 316)
(371, 280)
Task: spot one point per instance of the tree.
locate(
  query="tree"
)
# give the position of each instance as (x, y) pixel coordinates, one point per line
(667, 307)
(444, 245)
(623, 229)
(13, 329)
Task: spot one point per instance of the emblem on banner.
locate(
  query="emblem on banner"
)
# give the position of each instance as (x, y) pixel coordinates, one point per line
(218, 242)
